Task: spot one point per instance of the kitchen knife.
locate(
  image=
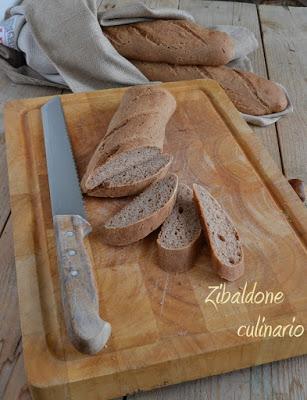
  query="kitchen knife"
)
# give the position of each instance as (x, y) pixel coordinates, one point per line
(86, 330)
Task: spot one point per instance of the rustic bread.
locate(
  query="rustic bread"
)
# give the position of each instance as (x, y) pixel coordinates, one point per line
(139, 122)
(129, 172)
(180, 236)
(171, 41)
(250, 93)
(143, 214)
(222, 236)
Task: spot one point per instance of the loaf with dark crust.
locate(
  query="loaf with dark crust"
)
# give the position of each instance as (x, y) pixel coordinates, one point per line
(171, 41)
(138, 124)
(250, 93)
(221, 234)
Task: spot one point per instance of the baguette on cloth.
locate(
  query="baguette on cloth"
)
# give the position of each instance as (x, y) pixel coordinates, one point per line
(250, 93)
(172, 41)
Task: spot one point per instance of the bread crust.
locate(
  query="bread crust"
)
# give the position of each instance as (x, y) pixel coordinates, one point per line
(172, 41)
(180, 259)
(230, 273)
(131, 188)
(122, 236)
(250, 93)
(139, 121)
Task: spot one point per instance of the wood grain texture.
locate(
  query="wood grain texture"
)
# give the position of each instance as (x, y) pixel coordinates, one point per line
(4, 189)
(12, 376)
(284, 36)
(161, 325)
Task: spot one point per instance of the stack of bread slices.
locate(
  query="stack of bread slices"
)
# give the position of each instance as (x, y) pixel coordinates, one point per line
(130, 161)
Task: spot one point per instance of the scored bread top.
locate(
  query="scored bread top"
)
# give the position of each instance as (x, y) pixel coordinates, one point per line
(172, 41)
(183, 225)
(146, 203)
(139, 121)
(250, 93)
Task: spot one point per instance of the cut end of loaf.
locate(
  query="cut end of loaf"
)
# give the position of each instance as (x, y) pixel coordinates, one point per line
(223, 237)
(147, 203)
(129, 172)
(138, 123)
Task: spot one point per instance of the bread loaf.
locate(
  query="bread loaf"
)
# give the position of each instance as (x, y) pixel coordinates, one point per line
(138, 123)
(180, 236)
(145, 213)
(171, 41)
(222, 236)
(250, 93)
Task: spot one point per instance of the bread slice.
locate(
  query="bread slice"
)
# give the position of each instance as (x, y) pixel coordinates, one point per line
(223, 238)
(139, 122)
(143, 214)
(129, 172)
(180, 236)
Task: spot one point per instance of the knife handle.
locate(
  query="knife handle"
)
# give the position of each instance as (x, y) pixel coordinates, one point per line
(86, 330)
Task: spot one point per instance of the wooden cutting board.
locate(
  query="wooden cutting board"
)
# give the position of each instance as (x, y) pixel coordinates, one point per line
(165, 330)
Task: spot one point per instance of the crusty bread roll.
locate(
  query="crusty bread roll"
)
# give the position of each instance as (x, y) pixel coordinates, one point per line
(138, 124)
(171, 41)
(221, 234)
(250, 93)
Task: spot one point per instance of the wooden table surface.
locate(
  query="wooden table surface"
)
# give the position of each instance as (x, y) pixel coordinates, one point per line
(282, 56)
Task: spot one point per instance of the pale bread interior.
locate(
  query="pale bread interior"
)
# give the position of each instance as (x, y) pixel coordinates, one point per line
(145, 204)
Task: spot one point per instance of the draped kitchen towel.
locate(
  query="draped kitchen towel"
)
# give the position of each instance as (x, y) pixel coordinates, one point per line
(64, 45)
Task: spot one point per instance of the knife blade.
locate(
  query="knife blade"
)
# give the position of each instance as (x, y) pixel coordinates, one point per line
(86, 330)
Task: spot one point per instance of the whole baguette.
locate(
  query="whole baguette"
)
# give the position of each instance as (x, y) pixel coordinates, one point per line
(180, 235)
(171, 41)
(145, 213)
(250, 93)
(139, 122)
(221, 234)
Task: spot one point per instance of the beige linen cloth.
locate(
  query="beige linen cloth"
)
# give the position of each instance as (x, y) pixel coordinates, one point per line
(64, 46)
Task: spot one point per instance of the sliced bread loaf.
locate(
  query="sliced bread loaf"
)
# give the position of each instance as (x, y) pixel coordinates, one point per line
(129, 172)
(223, 238)
(139, 122)
(180, 236)
(143, 214)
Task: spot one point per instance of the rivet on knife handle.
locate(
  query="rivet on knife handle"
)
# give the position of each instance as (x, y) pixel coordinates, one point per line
(87, 331)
